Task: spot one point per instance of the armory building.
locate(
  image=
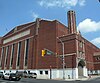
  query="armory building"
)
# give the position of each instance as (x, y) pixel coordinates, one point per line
(21, 50)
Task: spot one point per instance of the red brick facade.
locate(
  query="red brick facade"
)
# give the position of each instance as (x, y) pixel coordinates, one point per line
(43, 34)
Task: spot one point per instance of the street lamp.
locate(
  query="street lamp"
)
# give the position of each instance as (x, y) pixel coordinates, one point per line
(63, 57)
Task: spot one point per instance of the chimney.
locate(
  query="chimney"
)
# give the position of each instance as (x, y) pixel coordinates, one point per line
(71, 22)
(37, 25)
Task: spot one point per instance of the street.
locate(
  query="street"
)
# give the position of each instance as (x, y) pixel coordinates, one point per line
(30, 80)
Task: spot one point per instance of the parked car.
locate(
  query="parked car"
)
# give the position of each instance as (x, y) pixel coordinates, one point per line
(1, 74)
(27, 74)
(30, 75)
(21, 73)
(6, 75)
(11, 76)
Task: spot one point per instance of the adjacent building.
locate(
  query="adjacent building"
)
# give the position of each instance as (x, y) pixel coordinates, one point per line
(21, 50)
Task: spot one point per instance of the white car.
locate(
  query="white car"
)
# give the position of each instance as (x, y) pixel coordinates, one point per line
(6, 75)
(30, 75)
(11, 76)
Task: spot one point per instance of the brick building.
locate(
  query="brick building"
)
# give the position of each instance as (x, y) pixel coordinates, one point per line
(21, 50)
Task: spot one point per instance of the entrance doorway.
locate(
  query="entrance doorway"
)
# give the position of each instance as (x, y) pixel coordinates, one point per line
(81, 66)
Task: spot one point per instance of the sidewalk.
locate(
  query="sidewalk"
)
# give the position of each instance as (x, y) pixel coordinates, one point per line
(79, 79)
(83, 79)
(93, 77)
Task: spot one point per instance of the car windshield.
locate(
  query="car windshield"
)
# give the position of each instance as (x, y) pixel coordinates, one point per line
(1, 72)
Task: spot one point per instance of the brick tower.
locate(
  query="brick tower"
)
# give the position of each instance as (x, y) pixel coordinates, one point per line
(71, 22)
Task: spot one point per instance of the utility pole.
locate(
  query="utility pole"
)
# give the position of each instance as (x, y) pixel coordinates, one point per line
(63, 57)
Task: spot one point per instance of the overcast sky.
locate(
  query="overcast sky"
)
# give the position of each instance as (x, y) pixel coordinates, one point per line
(17, 12)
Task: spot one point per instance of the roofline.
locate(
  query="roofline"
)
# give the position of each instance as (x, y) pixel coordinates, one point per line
(18, 30)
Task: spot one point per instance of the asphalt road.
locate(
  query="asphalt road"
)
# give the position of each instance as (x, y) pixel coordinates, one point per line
(30, 80)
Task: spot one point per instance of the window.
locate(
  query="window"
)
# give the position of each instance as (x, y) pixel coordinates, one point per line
(91, 71)
(26, 51)
(7, 51)
(96, 72)
(46, 72)
(19, 52)
(13, 46)
(80, 54)
(81, 44)
(2, 56)
(41, 72)
(97, 58)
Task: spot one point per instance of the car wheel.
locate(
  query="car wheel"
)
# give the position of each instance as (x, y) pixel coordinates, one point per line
(3, 78)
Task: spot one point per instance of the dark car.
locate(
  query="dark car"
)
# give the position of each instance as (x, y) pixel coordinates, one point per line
(11, 76)
(14, 76)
